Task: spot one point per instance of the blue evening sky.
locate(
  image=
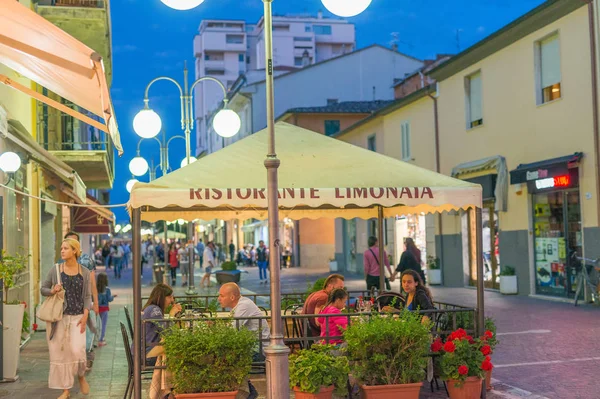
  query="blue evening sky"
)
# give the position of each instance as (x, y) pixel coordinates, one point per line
(150, 40)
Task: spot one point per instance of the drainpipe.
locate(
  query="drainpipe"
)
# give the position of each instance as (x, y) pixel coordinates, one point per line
(436, 136)
(596, 129)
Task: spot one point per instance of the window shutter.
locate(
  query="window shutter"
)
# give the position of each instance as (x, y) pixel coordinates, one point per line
(475, 97)
(408, 154)
(405, 129)
(550, 61)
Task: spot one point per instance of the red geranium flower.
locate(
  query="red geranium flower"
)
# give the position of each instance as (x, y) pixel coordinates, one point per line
(437, 345)
(488, 358)
(35, 326)
(486, 350)
(486, 365)
(449, 347)
(463, 370)
(24, 303)
(488, 334)
(470, 339)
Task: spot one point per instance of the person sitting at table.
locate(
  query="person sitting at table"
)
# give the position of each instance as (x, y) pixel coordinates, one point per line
(317, 301)
(334, 326)
(160, 299)
(418, 296)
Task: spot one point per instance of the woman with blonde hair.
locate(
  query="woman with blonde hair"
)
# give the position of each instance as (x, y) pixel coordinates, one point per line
(66, 338)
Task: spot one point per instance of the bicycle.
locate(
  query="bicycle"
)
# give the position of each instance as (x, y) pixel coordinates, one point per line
(587, 275)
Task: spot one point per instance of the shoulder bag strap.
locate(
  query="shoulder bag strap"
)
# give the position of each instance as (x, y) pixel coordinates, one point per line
(375, 256)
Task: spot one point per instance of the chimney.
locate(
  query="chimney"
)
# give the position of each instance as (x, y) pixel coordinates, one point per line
(320, 14)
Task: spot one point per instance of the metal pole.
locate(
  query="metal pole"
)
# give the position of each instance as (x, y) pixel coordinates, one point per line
(165, 255)
(136, 241)
(276, 353)
(479, 253)
(380, 239)
(191, 288)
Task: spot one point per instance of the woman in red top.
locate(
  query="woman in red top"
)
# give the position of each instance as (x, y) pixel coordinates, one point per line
(173, 263)
(334, 326)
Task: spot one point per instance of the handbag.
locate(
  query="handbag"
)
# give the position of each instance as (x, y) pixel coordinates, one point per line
(51, 309)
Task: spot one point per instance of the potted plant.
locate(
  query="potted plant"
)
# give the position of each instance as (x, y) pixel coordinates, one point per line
(508, 281)
(333, 265)
(389, 355)
(489, 338)
(434, 273)
(463, 364)
(11, 267)
(228, 273)
(316, 372)
(209, 360)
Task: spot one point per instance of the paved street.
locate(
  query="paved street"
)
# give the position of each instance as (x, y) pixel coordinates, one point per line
(548, 349)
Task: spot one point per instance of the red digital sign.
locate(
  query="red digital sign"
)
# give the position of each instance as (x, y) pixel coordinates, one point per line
(562, 181)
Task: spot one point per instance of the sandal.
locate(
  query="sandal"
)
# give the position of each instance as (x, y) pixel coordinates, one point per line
(65, 395)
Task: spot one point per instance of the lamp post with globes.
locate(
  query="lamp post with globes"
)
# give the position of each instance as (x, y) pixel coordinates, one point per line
(276, 352)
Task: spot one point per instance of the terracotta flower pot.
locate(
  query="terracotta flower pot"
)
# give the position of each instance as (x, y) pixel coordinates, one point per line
(324, 393)
(209, 395)
(470, 389)
(488, 380)
(399, 391)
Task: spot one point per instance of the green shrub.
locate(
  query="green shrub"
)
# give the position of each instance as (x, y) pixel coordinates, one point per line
(508, 271)
(311, 369)
(228, 266)
(389, 349)
(210, 357)
(314, 287)
(433, 263)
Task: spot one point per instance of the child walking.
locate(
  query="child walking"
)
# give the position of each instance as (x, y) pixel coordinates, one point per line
(104, 298)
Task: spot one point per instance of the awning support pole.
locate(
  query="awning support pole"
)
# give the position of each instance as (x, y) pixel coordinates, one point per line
(477, 240)
(381, 242)
(136, 242)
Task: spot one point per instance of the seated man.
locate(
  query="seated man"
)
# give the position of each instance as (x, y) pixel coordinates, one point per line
(317, 300)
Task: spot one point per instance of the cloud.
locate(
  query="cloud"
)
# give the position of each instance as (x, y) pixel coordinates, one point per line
(481, 29)
(165, 54)
(124, 48)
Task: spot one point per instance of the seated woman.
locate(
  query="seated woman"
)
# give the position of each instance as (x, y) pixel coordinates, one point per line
(418, 297)
(160, 299)
(334, 326)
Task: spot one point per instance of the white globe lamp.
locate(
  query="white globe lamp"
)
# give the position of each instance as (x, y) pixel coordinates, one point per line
(180, 222)
(227, 123)
(182, 4)
(10, 162)
(346, 8)
(184, 161)
(130, 184)
(138, 166)
(147, 123)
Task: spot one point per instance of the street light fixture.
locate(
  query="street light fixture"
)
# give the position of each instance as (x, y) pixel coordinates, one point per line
(182, 5)
(346, 8)
(226, 123)
(184, 161)
(138, 166)
(130, 184)
(10, 162)
(147, 123)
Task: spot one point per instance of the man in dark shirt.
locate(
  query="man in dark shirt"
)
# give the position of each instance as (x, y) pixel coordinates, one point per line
(232, 251)
(317, 300)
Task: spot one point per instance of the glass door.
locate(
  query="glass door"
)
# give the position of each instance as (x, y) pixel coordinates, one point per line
(557, 227)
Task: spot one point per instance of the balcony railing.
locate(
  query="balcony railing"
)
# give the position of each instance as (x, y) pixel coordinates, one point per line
(73, 3)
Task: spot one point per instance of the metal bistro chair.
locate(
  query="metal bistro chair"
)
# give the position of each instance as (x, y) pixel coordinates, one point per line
(129, 323)
(129, 355)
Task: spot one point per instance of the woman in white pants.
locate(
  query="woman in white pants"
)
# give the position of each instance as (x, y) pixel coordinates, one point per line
(66, 338)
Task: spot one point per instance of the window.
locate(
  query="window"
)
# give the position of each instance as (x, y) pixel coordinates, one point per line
(371, 143)
(405, 129)
(215, 72)
(473, 97)
(241, 57)
(331, 101)
(302, 39)
(248, 60)
(206, 57)
(234, 39)
(322, 29)
(307, 28)
(548, 69)
(332, 127)
(298, 61)
(281, 28)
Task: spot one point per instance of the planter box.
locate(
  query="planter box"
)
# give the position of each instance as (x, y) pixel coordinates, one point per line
(434, 276)
(324, 393)
(13, 323)
(333, 266)
(508, 285)
(400, 391)
(471, 389)
(210, 395)
(232, 276)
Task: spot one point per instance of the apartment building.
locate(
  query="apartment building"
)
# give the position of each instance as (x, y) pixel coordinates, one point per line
(226, 49)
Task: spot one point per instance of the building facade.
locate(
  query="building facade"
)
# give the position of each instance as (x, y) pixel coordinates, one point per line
(226, 49)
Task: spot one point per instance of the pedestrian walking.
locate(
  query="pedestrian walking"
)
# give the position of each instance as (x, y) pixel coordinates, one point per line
(262, 253)
(209, 263)
(232, 251)
(66, 338)
(106, 254)
(200, 249)
(173, 263)
(117, 256)
(184, 262)
(104, 298)
(410, 259)
(371, 260)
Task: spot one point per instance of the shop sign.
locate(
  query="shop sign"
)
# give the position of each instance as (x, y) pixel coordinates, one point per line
(552, 182)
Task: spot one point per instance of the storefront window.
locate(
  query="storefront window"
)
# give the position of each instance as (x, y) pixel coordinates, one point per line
(411, 226)
(350, 246)
(557, 226)
(491, 252)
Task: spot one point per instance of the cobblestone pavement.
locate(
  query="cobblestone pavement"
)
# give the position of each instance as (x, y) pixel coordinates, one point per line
(548, 349)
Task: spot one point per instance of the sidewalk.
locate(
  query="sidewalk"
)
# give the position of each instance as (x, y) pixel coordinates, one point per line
(539, 339)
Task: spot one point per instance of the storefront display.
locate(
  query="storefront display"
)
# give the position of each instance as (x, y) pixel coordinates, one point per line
(411, 226)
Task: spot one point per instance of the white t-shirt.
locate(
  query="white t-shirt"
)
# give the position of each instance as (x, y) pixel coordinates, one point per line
(184, 256)
(247, 308)
(208, 257)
